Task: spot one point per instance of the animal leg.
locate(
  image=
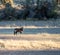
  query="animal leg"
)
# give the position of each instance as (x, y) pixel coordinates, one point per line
(21, 32)
(15, 33)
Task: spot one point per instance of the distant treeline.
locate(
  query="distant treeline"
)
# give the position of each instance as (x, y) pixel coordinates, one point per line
(45, 11)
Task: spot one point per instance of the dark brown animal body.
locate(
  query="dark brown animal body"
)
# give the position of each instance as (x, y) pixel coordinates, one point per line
(16, 30)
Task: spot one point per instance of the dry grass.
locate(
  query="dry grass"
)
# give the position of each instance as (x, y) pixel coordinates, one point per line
(30, 42)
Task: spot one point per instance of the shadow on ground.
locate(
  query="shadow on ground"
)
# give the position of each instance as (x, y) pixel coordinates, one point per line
(18, 52)
(33, 31)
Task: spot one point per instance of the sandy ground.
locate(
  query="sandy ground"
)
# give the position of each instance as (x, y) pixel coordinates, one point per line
(30, 42)
(40, 44)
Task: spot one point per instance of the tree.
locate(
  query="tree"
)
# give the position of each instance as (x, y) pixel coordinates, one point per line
(7, 1)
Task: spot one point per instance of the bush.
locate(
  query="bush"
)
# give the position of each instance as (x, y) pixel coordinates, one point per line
(52, 14)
